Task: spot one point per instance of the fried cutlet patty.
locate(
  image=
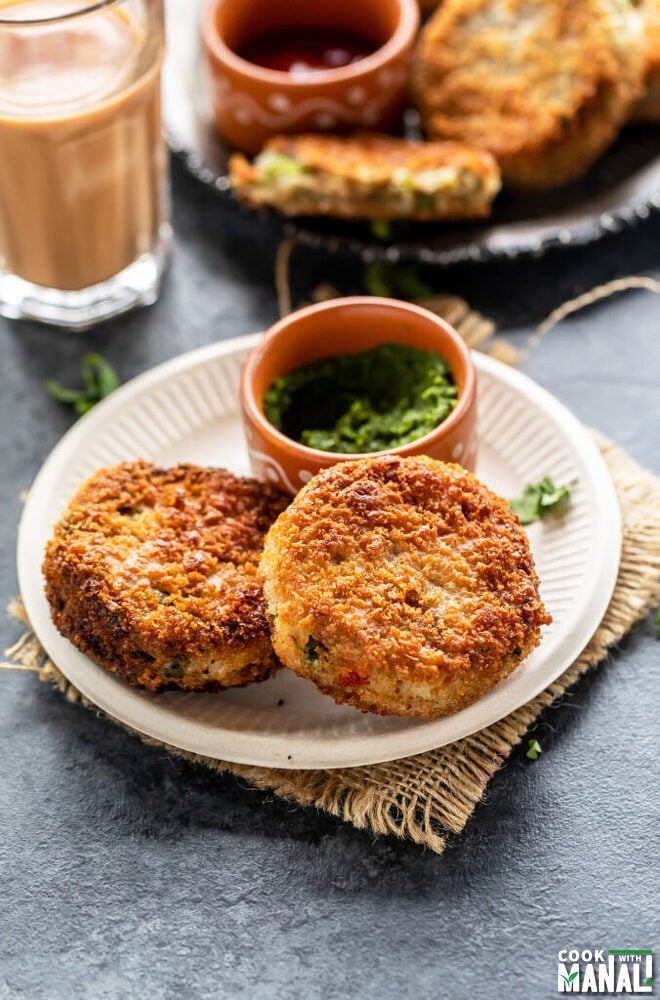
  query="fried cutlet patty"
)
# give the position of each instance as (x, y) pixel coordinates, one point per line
(368, 176)
(545, 85)
(402, 586)
(153, 573)
(648, 108)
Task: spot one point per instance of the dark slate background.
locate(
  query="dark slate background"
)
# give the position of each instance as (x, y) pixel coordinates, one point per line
(128, 874)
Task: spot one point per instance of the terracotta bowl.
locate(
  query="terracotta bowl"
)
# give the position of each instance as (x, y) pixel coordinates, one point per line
(348, 326)
(251, 103)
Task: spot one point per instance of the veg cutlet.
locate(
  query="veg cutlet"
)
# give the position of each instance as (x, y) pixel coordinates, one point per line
(544, 85)
(153, 573)
(367, 176)
(402, 586)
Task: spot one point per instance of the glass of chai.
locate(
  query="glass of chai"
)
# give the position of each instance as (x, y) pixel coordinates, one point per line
(84, 202)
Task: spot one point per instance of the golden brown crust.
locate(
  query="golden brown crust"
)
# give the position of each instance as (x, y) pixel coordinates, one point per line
(401, 586)
(545, 85)
(372, 176)
(648, 108)
(428, 6)
(152, 573)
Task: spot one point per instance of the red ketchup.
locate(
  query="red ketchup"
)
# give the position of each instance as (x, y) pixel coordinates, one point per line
(305, 50)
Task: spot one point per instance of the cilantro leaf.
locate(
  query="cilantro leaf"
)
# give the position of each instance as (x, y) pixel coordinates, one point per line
(99, 376)
(100, 380)
(534, 749)
(61, 393)
(381, 229)
(395, 281)
(540, 498)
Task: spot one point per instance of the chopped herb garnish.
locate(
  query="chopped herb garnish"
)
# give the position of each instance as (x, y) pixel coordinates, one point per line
(657, 623)
(540, 498)
(313, 649)
(534, 749)
(173, 669)
(381, 229)
(395, 281)
(100, 380)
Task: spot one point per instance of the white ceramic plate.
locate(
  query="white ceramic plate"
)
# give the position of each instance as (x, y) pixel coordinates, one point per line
(187, 410)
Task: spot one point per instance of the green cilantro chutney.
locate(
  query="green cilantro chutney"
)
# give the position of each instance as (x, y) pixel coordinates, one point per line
(358, 403)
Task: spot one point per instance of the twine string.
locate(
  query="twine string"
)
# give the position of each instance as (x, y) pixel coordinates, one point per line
(589, 298)
(27, 653)
(282, 281)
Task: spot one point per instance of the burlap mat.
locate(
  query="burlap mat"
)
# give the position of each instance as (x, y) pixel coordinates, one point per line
(422, 798)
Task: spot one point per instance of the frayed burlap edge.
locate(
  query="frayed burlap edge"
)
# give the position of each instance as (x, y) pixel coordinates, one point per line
(422, 798)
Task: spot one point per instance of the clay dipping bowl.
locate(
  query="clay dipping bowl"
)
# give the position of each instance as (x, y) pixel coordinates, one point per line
(251, 103)
(349, 326)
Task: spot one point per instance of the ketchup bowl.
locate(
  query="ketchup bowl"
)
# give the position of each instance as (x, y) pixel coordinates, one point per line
(350, 326)
(357, 80)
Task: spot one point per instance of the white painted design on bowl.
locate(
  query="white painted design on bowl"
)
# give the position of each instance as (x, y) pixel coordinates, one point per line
(324, 112)
(279, 102)
(357, 96)
(325, 120)
(457, 450)
(220, 84)
(272, 470)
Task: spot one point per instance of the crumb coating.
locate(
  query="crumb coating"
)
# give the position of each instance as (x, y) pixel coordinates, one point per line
(152, 573)
(403, 586)
(544, 85)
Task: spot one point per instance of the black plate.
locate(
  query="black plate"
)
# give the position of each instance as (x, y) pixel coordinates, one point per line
(623, 187)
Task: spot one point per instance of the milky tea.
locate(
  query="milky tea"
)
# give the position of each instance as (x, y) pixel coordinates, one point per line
(83, 168)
